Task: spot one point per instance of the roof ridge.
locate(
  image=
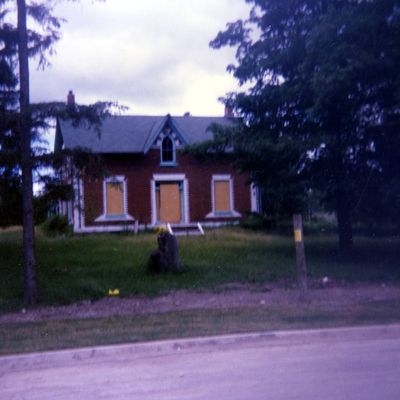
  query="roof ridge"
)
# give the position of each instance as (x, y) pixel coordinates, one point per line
(163, 116)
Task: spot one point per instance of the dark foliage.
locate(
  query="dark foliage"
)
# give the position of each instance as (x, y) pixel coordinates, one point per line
(56, 225)
(321, 110)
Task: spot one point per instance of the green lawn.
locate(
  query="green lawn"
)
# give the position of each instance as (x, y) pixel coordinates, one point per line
(61, 334)
(85, 267)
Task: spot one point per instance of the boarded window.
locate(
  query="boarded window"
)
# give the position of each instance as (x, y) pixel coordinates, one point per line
(222, 196)
(169, 203)
(114, 198)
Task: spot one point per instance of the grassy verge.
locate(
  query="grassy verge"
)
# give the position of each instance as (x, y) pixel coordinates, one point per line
(63, 334)
(76, 268)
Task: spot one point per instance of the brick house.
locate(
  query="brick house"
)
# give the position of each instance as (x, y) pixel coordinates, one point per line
(149, 182)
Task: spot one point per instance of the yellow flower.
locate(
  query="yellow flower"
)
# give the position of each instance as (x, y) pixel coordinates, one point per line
(161, 229)
(113, 292)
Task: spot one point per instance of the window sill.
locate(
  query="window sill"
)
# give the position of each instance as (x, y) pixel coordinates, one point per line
(172, 164)
(114, 218)
(227, 214)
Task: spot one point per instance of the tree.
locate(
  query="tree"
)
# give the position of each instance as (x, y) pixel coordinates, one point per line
(320, 77)
(21, 126)
(10, 191)
(30, 285)
(16, 133)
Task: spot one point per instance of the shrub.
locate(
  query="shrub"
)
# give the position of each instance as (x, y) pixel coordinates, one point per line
(56, 225)
(257, 221)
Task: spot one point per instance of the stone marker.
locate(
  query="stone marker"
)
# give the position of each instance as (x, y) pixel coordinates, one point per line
(166, 257)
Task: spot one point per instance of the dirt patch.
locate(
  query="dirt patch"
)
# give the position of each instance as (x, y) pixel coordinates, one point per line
(325, 295)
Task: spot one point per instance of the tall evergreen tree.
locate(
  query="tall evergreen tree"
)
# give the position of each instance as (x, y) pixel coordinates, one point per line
(21, 122)
(10, 191)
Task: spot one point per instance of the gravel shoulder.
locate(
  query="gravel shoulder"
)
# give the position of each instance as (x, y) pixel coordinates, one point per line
(327, 297)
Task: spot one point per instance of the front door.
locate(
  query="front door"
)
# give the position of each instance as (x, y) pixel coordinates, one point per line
(169, 202)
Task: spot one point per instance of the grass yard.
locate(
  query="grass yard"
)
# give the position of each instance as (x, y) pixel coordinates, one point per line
(63, 334)
(76, 268)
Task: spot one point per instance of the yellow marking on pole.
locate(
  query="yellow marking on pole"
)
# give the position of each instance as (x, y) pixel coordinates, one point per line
(298, 236)
(114, 292)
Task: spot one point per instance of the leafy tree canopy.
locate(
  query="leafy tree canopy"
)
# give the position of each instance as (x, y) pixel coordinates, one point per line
(321, 104)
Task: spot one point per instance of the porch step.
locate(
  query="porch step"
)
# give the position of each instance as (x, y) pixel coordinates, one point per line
(186, 230)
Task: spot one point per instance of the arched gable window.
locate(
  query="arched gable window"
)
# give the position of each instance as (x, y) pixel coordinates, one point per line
(167, 151)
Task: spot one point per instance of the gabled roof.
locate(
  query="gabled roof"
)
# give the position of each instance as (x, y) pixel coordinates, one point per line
(134, 134)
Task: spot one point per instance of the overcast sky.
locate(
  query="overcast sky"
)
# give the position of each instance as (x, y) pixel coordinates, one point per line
(151, 55)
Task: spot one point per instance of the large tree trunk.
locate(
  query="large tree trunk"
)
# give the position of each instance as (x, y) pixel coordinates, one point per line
(345, 226)
(30, 283)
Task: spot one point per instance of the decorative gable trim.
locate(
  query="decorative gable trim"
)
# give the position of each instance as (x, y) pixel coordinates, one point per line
(157, 134)
(157, 128)
(182, 137)
(167, 133)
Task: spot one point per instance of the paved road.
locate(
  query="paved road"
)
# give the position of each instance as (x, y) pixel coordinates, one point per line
(337, 364)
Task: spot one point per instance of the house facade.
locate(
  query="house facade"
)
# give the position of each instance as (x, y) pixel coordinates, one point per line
(148, 181)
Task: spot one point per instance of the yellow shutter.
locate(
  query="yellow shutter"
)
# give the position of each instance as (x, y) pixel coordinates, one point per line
(170, 203)
(114, 198)
(222, 196)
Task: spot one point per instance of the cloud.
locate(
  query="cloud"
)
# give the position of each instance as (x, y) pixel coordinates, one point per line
(152, 56)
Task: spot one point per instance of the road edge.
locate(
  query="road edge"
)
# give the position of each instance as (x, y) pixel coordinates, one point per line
(129, 351)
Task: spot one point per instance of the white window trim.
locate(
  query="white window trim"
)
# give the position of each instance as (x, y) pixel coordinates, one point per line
(230, 214)
(79, 205)
(168, 163)
(255, 198)
(170, 178)
(125, 216)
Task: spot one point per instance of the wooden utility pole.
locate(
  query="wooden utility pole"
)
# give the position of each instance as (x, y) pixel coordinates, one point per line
(30, 283)
(301, 267)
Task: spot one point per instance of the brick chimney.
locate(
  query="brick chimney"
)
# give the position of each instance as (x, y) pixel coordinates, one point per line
(228, 112)
(71, 99)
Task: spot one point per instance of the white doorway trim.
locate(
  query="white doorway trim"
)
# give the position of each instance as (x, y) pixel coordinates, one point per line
(185, 198)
